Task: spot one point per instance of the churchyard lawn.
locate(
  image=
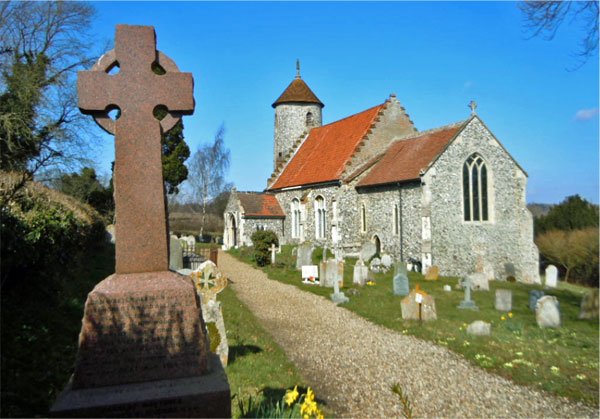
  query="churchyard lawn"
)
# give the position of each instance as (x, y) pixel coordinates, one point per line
(563, 361)
(39, 344)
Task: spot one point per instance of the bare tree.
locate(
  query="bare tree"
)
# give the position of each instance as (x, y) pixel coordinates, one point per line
(208, 167)
(568, 248)
(42, 45)
(545, 17)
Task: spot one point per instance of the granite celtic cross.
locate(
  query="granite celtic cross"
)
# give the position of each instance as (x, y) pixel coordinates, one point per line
(136, 90)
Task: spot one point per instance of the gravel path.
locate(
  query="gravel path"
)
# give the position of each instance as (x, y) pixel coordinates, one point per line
(351, 363)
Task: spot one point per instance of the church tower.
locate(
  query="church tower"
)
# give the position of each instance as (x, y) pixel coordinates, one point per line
(297, 110)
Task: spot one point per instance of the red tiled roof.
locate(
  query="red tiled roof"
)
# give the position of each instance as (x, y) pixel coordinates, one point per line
(324, 154)
(298, 91)
(260, 205)
(404, 159)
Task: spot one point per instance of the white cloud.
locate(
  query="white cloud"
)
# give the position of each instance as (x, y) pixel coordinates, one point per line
(586, 114)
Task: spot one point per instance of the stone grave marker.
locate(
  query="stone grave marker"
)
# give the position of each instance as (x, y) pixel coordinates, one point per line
(547, 313)
(375, 265)
(551, 276)
(479, 328)
(410, 306)
(338, 297)
(400, 280)
(447, 288)
(510, 272)
(209, 283)
(467, 303)
(331, 272)
(142, 347)
(367, 251)
(433, 273)
(310, 274)
(503, 300)
(589, 305)
(110, 233)
(304, 255)
(175, 254)
(479, 281)
(387, 261)
(273, 251)
(534, 296)
(360, 273)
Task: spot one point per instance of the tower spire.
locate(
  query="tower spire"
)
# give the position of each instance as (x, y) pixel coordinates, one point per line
(298, 68)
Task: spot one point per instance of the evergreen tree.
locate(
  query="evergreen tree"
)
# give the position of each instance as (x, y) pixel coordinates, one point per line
(571, 214)
(85, 187)
(174, 153)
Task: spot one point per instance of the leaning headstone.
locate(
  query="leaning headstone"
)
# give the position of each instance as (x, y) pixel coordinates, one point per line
(410, 306)
(534, 296)
(304, 255)
(400, 280)
(337, 296)
(433, 273)
(547, 313)
(367, 251)
(551, 276)
(479, 328)
(589, 305)
(128, 342)
(175, 254)
(503, 300)
(359, 275)
(467, 303)
(386, 261)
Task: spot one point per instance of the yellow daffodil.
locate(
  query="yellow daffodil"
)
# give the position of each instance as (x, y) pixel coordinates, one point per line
(503, 318)
(310, 395)
(291, 396)
(510, 314)
(319, 415)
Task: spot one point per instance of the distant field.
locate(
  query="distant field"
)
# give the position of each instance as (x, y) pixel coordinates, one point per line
(191, 223)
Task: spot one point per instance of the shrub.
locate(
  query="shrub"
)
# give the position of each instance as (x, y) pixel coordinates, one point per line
(43, 233)
(262, 241)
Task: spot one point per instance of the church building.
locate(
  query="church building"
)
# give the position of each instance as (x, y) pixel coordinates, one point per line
(451, 196)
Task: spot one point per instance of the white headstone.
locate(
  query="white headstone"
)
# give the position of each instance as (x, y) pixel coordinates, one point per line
(386, 261)
(367, 251)
(479, 282)
(546, 312)
(360, 273)
(551, 276)
(273, 250)
(447, 288)
(503, 300)
(310, 271)
(479, 328)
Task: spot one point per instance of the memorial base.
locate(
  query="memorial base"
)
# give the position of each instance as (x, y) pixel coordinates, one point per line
(201, 396)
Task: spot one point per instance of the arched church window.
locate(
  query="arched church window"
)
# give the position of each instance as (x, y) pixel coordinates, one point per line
(475, 189)
(309, 119)
(320, 217)
(295, 218)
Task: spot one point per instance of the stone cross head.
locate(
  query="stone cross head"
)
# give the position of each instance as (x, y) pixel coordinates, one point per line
(146, 80)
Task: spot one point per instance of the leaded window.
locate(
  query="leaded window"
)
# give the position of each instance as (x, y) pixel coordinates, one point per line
(320, 218)
(475, 189)
(295, 219)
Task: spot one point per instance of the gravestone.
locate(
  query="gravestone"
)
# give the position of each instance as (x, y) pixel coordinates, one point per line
(360, 273)
(386, 261)
(551, 276)
(175, 254)
(589, 305)
(467, 303)
(534, 296)
(273, 251)
(479, 281)
(337, 296)
(110, 233)
(367, 251)
(447, 288)
(510, 272)
(488, 271)
(433, 273)
(209, 283)
(547, 313)
(331, 272)
(304, 255)
(400, 280)
(479, 328)
(310, 274)
(410, 306)
(375, 265)
(142, 347)
(503, 300)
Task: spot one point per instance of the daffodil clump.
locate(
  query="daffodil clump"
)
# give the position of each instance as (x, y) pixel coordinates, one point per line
(308, 407)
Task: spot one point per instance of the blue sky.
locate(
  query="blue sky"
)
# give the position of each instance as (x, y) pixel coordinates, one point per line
(436, 56)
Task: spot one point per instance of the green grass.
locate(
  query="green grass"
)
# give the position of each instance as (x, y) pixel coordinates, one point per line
(563, 361)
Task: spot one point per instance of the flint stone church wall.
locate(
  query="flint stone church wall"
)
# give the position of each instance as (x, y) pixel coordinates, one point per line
(246, 226)
(290, 125)
(507, 238)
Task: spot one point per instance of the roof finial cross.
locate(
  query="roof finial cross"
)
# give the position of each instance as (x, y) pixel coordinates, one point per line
(298, 68)
(473, 106)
